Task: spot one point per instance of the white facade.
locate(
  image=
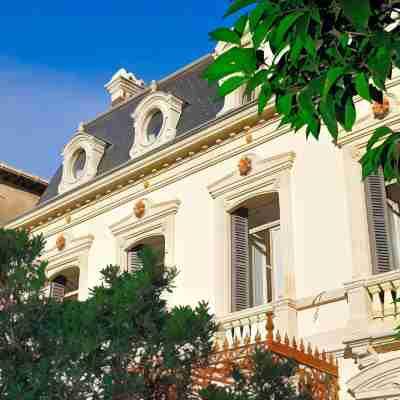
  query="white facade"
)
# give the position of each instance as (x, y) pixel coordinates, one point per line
(324, 288)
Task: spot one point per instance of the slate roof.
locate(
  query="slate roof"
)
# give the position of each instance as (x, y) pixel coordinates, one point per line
(117, 129)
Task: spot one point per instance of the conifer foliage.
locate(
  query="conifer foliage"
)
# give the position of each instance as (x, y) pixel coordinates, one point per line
(123, 342)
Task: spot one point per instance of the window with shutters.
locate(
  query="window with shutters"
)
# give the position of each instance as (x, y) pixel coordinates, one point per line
(157, 244)
(65, 285)
(255, 252)
(383, 207)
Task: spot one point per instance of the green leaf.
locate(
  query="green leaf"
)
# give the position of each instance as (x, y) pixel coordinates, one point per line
(265, 95)
(305, 102)
(296, 50)
(284, 103)
(230, 85)
(238, 5)
(381, 66)
(350, 114)
(240, 24)
(262, 30)
(357, 11)
(328, 113)
(284, 26)
(362, 86)
(256, 15)
(258, 79)
(333, 75)
(225, 35)
(377, 136)
(216, 71)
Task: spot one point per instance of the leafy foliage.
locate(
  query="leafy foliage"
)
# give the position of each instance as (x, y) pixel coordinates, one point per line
(272, 379)
(314, 57)
(122, 342)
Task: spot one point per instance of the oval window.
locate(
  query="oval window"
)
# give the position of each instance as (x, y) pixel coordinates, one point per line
(79, 164)
(154, 125)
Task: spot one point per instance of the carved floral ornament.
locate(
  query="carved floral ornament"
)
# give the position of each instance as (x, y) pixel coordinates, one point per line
(61, 242)
(139, 209)
(381, 110)
(245, 166)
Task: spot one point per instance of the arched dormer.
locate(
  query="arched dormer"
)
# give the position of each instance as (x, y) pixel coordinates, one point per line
(155, 121)
(81, 159)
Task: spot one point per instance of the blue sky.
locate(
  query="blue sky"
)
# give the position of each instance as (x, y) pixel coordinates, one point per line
(56, 56)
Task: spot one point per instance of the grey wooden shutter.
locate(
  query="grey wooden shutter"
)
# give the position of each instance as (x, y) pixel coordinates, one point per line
(378, 223)
(240, 260)
(134, 261)
(57, 291)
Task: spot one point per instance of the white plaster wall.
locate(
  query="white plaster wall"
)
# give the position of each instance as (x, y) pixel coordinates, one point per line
(325, 251)
(321, 229)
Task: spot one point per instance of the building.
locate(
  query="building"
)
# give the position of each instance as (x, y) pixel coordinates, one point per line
(255, 217)
(19, 192)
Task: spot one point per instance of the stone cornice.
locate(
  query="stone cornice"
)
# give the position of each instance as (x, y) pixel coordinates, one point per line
(223, 131)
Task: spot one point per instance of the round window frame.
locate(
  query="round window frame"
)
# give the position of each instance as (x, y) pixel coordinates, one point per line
(73, 161)
(146, 122)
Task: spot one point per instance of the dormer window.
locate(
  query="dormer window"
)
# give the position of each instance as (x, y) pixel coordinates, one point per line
(153, 125)
(79, 163)
(155, 121)
(82, 156)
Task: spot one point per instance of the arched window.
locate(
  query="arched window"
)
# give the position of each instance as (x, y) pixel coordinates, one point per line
(156, 243)
(255, 252)
(65, 285)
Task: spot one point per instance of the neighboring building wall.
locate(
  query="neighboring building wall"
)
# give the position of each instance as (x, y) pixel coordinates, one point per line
(15, 201)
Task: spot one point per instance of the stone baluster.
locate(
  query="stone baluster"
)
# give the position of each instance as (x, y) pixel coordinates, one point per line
(396, 285)
(388, 304)
(377, 309)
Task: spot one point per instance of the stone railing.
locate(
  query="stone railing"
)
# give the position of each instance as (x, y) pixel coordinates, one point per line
(384, 289)
(243, 326)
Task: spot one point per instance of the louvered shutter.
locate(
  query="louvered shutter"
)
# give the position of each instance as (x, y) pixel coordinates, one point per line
(240, 260)
(57, 291)
(378, 222)
(134, 261)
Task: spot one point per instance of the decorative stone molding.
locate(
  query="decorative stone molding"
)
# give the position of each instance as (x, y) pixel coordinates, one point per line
(244, 166)
(263, 172)
(60, 242)
(74, 254)
(159, 220)
(170, 108)
(139, 209)
(381, 110)
(271, 175)
(94, 150)
(381, 381)
(123, 85)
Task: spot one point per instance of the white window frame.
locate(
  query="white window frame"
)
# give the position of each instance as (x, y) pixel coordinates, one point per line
(94, 149)
(271, 175)
(159, 220)
(171, 108)
(74, 255)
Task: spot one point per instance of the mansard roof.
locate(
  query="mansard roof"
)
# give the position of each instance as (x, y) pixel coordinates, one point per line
(116, 126)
